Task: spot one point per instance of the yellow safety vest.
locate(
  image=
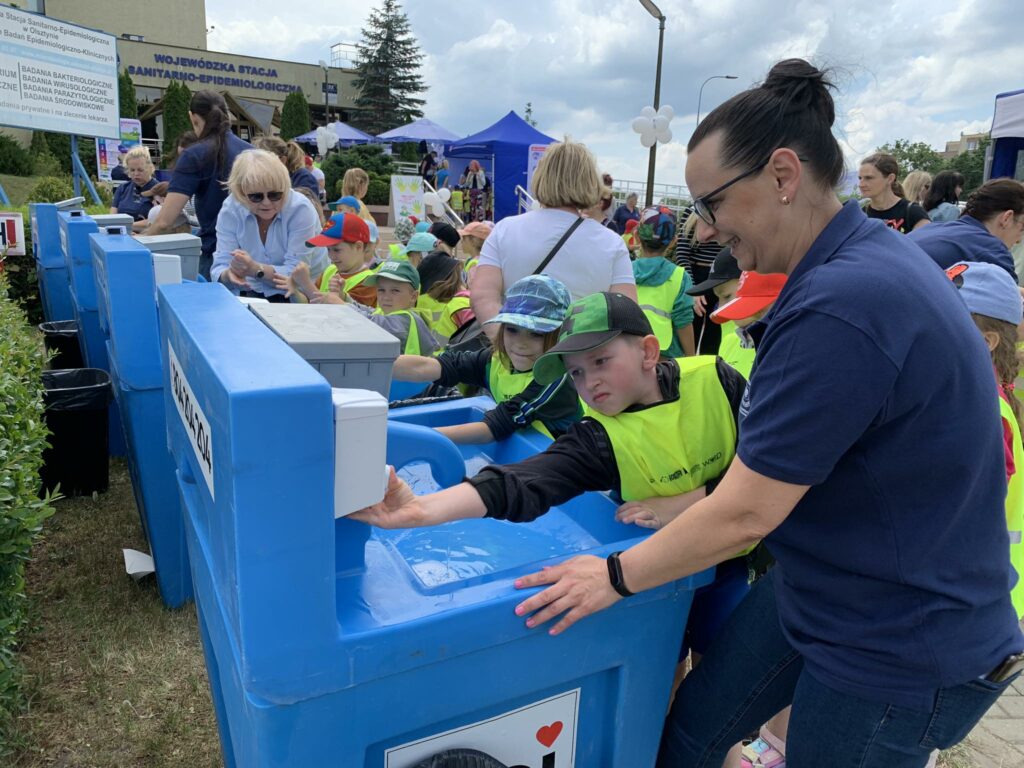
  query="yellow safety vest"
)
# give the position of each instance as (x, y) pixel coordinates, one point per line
(1015, 508)
(504, 384)
(675, 447)
(656, 301)
(395, 249)
(430, 308)
(732, 351)
(446, 326)
(350, 282)
(412, 340)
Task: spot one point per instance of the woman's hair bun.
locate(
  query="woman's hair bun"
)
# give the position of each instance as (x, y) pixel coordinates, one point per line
(802, 86)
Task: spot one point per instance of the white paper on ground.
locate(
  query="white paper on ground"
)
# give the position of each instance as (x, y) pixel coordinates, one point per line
(137, 564)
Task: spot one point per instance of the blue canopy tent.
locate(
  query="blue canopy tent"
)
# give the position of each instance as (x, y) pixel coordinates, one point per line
(416, 131)
(347, 135)
(1008, 136)
(502, 150)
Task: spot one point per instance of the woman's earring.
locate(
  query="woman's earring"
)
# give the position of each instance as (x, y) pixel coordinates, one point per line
(785, 200)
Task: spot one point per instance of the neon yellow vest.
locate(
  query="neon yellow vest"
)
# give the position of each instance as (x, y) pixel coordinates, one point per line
(350, 282)
(504, 384)
(395, 249)
(672, 448)
(656, 301)
(1015, 508)
(733, 352)
(446, 326)
(412, 340)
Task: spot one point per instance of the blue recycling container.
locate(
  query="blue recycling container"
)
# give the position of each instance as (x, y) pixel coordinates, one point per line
(75, 228)
(331, 643)
(126, 299)
(51, 270)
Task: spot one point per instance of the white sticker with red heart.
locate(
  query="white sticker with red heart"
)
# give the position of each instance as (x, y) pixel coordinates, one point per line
(539, 735)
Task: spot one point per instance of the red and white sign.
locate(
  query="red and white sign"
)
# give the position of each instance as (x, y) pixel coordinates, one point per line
(12, 234)
(539, 735)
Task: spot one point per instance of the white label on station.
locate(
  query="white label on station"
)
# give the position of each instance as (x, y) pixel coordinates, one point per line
(539, 735)
(197, 426)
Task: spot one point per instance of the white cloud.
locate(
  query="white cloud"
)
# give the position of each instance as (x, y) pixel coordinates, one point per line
(923, 71)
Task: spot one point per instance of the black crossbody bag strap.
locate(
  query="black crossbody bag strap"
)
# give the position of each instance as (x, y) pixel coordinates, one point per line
(558, 246)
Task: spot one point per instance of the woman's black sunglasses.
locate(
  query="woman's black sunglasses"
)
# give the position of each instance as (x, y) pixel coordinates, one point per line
(257, 197)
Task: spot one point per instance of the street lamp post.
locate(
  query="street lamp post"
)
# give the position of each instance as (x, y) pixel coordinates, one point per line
(700, 94)
(656, 13)
(327, 117)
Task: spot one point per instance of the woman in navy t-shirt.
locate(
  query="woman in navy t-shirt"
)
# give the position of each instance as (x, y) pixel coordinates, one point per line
(870, 460)
(201, 170)
(128, 197)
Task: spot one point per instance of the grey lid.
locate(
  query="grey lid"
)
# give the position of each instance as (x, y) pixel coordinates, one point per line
(182, 243)
(328, 332)
(114, 220)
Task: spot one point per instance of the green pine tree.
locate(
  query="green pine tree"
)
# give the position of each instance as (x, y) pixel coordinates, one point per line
(126, 95)
(388, 72)
(294, 116)
(175, 113)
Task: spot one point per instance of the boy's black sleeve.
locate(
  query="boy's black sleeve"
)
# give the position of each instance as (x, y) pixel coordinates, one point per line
(464, 368)
(734, 384)
(580, 460)
(556, 405)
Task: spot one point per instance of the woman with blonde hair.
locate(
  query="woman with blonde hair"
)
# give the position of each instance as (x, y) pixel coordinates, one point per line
(128, 197)
(916, 186)
(554, 240)
(356, 183)
(262, 229)
(294, 159)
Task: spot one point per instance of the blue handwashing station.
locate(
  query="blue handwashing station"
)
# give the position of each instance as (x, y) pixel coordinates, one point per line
(332, 643)
(51, 267)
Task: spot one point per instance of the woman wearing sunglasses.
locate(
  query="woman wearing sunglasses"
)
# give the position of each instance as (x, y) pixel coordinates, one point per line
(870, 460)
(262, 229)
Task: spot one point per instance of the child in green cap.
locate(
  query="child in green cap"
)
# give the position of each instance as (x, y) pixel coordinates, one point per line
(658, 432)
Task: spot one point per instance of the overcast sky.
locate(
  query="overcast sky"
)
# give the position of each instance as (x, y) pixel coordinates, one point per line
(923, 71)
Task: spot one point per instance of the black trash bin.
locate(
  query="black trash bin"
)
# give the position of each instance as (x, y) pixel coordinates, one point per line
(61, 336)
(77, 402)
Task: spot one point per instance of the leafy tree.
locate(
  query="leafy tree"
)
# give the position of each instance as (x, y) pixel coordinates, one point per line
(60, 146)
(39, 145)
(294, 116)
(388, 72)
(126, 96)
(972, 165)
(369, 157)
(914, 156)
(175, 113)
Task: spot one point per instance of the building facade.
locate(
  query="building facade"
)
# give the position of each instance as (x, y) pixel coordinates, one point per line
(159, 43)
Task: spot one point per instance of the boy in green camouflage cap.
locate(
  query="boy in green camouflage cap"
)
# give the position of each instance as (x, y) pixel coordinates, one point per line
(658, 432)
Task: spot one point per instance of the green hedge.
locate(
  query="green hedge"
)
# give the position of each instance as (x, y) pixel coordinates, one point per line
(23, 436)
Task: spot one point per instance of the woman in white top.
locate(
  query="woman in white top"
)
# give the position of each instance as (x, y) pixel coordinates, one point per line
(591, 260)
(263, 227)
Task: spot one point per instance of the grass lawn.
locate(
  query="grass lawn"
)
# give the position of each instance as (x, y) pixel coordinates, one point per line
(113, 678)
(18, 187)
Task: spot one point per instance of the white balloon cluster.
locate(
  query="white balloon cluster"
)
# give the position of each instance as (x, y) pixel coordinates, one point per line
(653, 126)
(436, 200)
(325, 139)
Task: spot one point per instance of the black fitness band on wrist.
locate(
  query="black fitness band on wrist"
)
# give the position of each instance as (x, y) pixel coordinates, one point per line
(615, 575)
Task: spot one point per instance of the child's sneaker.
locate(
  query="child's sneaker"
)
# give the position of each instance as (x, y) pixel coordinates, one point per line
(760, 754)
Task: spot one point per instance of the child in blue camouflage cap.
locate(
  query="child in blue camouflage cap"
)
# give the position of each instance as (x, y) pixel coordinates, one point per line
(534, 309)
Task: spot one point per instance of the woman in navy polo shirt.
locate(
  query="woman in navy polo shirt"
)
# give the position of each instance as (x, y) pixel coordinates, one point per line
(128, 197)
(870, 460)
(201, 172)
